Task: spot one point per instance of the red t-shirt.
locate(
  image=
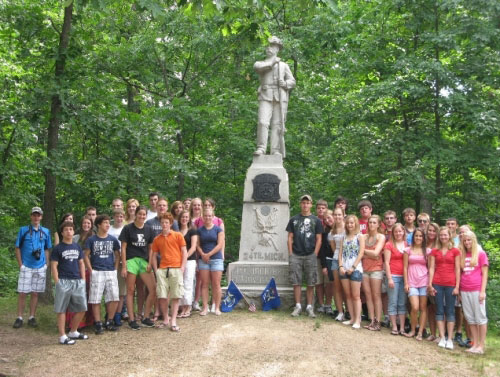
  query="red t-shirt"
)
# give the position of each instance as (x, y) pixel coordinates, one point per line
(363, 226)
(444, 271)
(396, 262)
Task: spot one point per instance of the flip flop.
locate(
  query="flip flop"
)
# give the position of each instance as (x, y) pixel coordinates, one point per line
(408, 335)
(419, 337)
(394, 332)
(175, 328)
(67, 342)
(80, 336)
(430, 338)
(203, 313)
(187, 315)
(161, 325)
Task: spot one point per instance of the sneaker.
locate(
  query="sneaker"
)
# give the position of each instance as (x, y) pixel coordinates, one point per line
(18, 323)
(458, 337)
(449, 344)
(328, 310)
(196, 306)
(356, 326)
(335, 313)
(110, 326)
(310, 312)
(296, 311)
(98, 328)
(442, 343)
(146, 322)
(462, 342)
(339, 317)
(213, 308)
(117, 319)
(469, 343)
(134, 325)
(32, 322)
(386, 322)
(347, 315)
(321, 309)
(347, 322)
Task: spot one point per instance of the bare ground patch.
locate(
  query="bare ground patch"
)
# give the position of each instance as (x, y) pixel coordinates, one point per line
(240, 343)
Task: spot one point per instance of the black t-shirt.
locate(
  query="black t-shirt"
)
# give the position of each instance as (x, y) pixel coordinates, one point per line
(304, 229)
(102, 256)
(155, 224)
(67, 257)
(190, 233)
(137, 240)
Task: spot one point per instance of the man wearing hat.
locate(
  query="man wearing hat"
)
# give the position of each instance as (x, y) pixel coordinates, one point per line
(304, 241)
(276, 81)
(33, 244)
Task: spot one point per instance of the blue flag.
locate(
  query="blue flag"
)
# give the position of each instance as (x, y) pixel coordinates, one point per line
(231, 299)
(270, 297)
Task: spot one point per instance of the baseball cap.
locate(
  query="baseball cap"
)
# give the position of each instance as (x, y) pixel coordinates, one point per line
(306, 197)
(36, 210)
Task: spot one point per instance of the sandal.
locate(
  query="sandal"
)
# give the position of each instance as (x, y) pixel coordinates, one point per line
(394, 332)
(408, 335)
(430, 338)
(79, 337)
(175, 328)
(161, 325)
(419, 337)
(67, 342)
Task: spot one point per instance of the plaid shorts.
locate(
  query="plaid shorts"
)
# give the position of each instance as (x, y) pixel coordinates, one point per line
(31, 279)
(103, 282)
(303, 265)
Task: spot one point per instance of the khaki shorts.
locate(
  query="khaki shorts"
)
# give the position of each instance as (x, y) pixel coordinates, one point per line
(169, 280)
(374, 274)
(303, 265)
(322, 279)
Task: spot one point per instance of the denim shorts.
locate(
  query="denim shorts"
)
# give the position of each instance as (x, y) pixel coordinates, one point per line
(355, 276)
(212, 265)
(421, 291)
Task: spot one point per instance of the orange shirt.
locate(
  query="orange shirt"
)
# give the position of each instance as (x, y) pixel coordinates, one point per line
(170, 249)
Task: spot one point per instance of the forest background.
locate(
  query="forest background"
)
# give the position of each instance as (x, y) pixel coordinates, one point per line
(397, 101)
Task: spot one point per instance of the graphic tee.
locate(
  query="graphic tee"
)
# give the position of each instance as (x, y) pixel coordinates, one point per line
(472, 276)
(137, 241)
(67, 257)
(102, 256)
(304, 229)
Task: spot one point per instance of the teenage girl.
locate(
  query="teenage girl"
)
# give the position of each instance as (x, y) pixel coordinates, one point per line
(416, 278)
(444, 283)
(336, 238)
(474, 264)
(190, 234)
(351, 270)
(373, 271)
(431, 238)
(393, 256)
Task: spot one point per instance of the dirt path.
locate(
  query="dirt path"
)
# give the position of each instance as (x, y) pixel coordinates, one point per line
(235, 344)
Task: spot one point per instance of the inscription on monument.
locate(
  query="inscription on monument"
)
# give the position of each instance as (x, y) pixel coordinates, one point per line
(266, 188)
(260, 275)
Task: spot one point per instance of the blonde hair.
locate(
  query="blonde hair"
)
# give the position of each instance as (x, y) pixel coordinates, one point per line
(432, 244)
(334, 227)
(191, 212)
(356, 224)
(129, 203)
(474, 249)
(397, 225)
(379, 220)
(450, 242)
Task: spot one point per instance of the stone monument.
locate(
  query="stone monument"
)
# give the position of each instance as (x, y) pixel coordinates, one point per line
(263, 245)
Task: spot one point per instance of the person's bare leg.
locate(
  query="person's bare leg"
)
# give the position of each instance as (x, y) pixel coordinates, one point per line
(423, 314)
(376, 287)
(164, 309)
(297, 294)
(61, 323)
(356, 299)
(175, 308)
(215, 277)
(75, 321)
(320, 294)
(205, 281)
(111, 308)
(140, 297)
(329, 293)
(337, 292)
(131, 279)
(96, 312)
(33, 303)
(149, 282)
(369, 299)
(348, 299)
(481, 338)
(415, 305)
(21, 303)
(440, 326)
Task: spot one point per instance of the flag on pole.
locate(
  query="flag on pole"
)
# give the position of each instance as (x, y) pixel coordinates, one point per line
(270, 297)
(231, 299)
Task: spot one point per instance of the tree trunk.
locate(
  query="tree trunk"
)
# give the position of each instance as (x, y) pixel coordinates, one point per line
(180, 186)
(437, 116)
(49, 200)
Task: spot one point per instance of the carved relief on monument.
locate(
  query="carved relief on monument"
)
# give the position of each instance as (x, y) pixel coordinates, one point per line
(266, 188)
(265, 226)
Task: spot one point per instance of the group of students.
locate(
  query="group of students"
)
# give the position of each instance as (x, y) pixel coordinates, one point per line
(167, 259)
(439, 272)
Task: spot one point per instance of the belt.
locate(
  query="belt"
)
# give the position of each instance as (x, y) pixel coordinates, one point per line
(270, 86)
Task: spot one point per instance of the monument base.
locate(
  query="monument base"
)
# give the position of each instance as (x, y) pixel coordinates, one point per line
(252, 277)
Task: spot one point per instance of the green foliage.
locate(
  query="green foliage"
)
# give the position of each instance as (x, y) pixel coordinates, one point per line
(10, 272)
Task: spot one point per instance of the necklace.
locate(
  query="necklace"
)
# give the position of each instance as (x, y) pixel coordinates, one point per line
(373, 242)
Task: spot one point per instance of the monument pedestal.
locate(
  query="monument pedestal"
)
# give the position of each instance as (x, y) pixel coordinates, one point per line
(263, 250)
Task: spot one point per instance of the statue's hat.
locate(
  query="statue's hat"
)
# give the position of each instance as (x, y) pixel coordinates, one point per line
(275, 41)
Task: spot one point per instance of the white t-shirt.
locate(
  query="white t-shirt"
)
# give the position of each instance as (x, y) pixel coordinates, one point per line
(150, 215)
(116, 232)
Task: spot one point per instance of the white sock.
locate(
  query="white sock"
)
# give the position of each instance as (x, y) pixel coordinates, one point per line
(297, 305)
(308, 306)
(74, 334)
(62, 338)
(21, 318)
(31, 316)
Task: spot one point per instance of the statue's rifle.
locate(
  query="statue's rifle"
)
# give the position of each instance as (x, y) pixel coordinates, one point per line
(282, 114)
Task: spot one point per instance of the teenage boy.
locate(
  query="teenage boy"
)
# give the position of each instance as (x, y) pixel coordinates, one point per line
(92, 213)
(423, 221)
(68, 272)
(153, 201)
(154, 223)
(171, 247)
(33, 244)
(409, 215)
(341, 202)
(321, 208)
(115, 230)
(304, 241)
(365, 209)
(390, 218)
(102, 255)
(117, 203)
(452, 225)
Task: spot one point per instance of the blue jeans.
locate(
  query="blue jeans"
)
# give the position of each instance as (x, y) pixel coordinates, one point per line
(397, 296)
(445, 303)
